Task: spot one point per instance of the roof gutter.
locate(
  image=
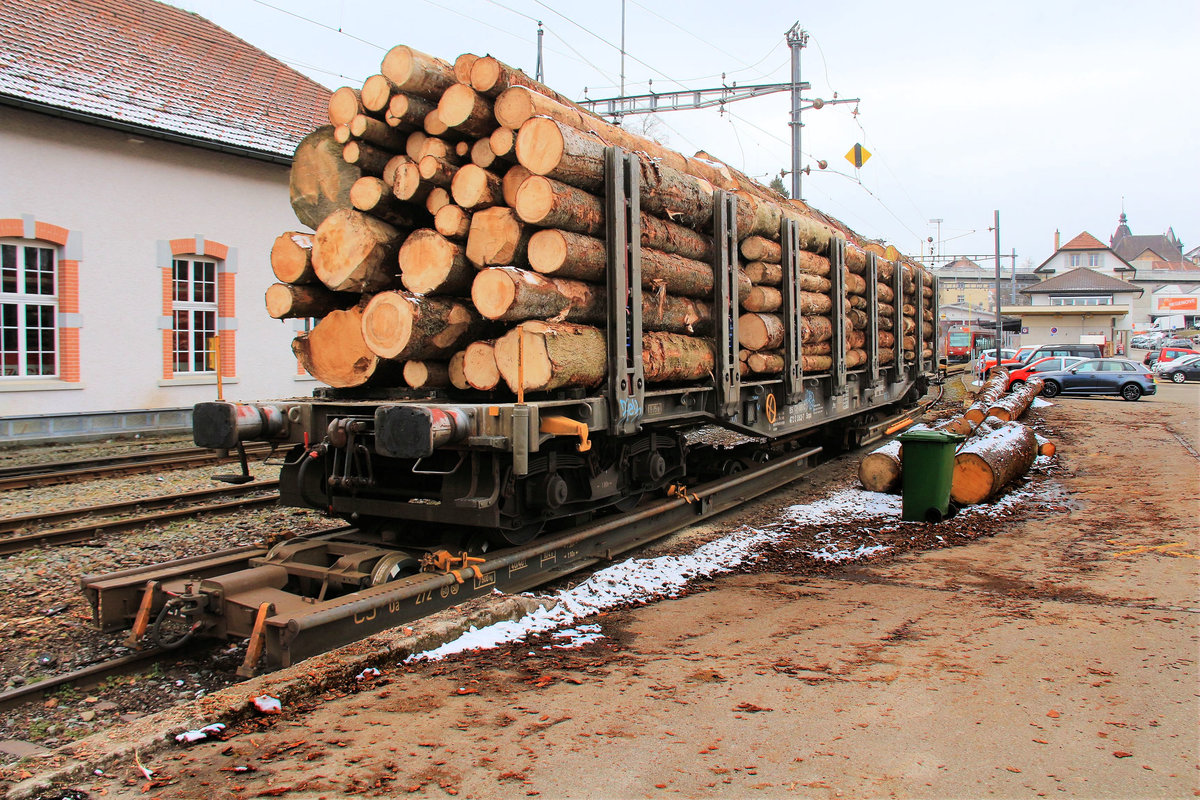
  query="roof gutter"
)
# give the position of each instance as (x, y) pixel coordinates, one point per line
(142, 130)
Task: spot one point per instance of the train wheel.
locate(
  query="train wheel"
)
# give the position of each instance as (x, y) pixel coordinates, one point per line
(393, 567)
(629, 502)
(522, 535)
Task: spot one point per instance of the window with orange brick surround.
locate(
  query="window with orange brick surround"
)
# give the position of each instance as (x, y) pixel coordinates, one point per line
(68, 252)
(226, 276)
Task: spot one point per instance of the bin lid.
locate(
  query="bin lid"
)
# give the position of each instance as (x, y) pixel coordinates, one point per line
(941, 437)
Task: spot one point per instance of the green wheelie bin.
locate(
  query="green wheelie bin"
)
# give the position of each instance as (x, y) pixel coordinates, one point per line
(928, 469)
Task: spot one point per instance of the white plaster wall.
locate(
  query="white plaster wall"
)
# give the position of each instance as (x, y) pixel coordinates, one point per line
(122, 197)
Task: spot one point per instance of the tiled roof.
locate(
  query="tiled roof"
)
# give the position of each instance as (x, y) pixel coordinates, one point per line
(1084, 241)
(1130, 247)
(153, 66)
(1081, 279)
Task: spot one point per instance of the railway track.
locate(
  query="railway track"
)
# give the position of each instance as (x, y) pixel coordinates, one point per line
(91, 675)
(169, 503)
(31, 475)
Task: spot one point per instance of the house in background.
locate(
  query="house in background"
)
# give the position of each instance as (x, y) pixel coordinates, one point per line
(144, 180)
(1154, 264)
(965, 283)
(1079, 305)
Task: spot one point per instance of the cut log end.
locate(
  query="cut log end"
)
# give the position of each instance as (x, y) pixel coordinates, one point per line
(540, 145)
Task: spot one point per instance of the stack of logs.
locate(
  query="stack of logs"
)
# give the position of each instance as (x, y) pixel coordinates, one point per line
(459, 242)
(998, 449)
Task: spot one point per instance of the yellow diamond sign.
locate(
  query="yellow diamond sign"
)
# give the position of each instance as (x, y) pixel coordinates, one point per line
(858, 156)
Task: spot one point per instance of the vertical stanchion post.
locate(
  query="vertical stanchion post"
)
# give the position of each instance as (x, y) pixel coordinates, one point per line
(898, 316)
(919, 282)
(872, 276)
(837, 293)
(725, 304)
(793, 343)
(622, 213)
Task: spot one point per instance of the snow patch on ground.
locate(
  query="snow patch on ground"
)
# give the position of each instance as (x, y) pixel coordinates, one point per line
(643, 579)
(1039, 402)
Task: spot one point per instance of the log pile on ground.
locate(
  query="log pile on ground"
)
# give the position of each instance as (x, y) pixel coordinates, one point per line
(459, 217)
(989, 461)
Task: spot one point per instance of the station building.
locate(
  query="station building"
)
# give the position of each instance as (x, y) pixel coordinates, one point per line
(145, 177)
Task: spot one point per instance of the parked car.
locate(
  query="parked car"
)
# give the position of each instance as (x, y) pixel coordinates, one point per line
(987, 359)
(1166, 354)
(1184, 368)
(1146, 341)
(1030, 353)
(1166, 366)
(1019, 376)
(1118, 376)
(1179, 341)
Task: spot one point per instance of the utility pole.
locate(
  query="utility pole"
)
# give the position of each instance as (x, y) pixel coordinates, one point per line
(938, 221)
(539, 74)
(797, 39)
(999, 323)
(688, 99)
(1012, 289)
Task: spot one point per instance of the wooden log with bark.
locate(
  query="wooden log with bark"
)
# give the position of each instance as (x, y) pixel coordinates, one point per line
(508, 294)
(426, 374)
(414, 72)
(1013, 405)
(290, 301)
(675, 358)
(401, 326)
(335, 353)
(437, 171)
(474, 187)
(479, 366)
(368, 158)
(881, 470)
(988, 463)
(497, 238)
(374, 196)
(320, 179)
(453, 222)
(407, 112)
(432, 264)
(408, 185)
(462, 108)
(454, 369)
(539, 356)
(344, 104)
(355, 252)
(760, 248)
(291, 258)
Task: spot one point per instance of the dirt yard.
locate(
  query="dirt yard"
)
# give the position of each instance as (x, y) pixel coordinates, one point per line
(1054, 656)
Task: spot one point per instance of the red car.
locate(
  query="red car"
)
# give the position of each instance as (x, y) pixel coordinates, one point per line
(1018, 377)
(1166, 354)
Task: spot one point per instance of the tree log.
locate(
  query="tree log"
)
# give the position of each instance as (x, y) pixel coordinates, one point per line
(408, 185)
(376, 92)
(291, 258)
(759, 248)
(436, 198)
(344, 104)
(812, 263)
(355, 252)
(573, 255)
(368, 158)
(402, 326)
(406, 111)
(454, 369)
(391, 168)
(462, 67)
(814, 303)
(378, 133)
(426, 374)
(766, 362)
(760, 331)
(985, 465)
(433, 124)
(1012, 406)
(285, 301)
(815, 329)
(854, 284)
(855, 258)
(674, 358)
(511, 182)
(881, 469)
(437, 171)
(763, 273)
(491, 77)
(432, 264)
(463, 109)
(482, 154)
(473, 187)
(763, 298)
(452, 222)
(503, 143)
(884, 293)
(320, 179)
(335, 353)
(416, 73)
(373, 196)
(479, 366)
(553, 355)
(816, 364)
(508, 294)
(497, 238)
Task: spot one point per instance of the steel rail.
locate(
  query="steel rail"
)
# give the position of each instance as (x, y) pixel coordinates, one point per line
(87, 676)
(144, 504)
(50, 475)
(82, 533)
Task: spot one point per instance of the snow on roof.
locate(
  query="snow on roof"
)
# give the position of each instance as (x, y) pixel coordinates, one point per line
(146, 64)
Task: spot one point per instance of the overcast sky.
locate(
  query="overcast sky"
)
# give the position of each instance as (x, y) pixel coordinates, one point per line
(1054, 112)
